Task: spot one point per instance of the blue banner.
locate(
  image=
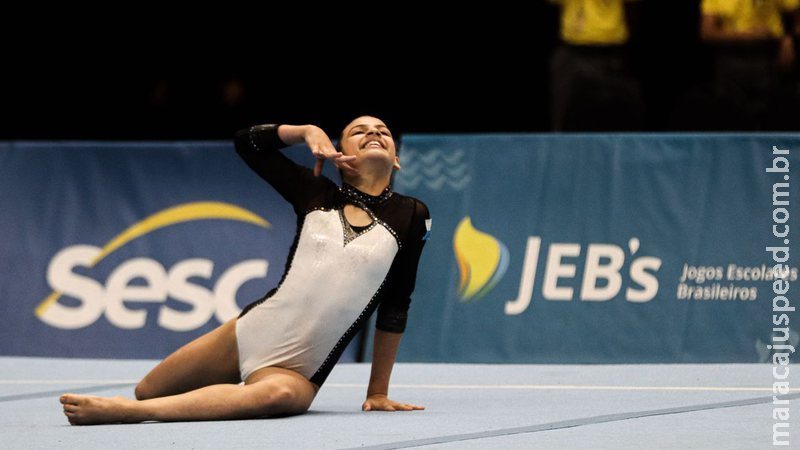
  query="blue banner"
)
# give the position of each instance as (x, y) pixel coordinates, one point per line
(545, 248)
(131, 250)
(600, 248)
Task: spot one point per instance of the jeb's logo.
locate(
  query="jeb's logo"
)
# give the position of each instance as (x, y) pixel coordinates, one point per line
(482, 261)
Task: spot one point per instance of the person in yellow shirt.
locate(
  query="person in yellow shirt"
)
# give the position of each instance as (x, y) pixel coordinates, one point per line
(593, 22)
(725, 20)
(753, 46)
(592, 86)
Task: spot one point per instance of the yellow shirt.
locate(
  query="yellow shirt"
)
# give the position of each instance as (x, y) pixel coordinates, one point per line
(593, 22)
(744, 15)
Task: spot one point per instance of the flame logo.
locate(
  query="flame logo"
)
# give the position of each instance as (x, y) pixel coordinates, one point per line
(482, 260)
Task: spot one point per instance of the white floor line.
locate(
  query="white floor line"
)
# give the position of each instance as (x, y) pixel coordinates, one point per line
(37, 382)
(568, 387)
(541, 387)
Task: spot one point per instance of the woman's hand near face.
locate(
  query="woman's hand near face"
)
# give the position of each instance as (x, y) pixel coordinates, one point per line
(322, 148)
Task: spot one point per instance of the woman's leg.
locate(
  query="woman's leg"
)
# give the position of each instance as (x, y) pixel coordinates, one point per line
(268, 392)
(210, 359)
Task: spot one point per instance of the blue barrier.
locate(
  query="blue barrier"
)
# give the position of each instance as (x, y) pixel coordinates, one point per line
(545, 248)
(597, 248)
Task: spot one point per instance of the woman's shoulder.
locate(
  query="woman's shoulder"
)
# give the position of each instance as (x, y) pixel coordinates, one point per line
(415, 206)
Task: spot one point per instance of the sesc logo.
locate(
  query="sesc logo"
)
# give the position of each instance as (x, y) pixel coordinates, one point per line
(96, 299)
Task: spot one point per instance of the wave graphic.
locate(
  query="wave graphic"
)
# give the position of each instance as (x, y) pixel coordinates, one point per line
(434, 169)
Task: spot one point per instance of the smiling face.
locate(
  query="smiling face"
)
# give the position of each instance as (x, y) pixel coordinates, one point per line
(369, 139)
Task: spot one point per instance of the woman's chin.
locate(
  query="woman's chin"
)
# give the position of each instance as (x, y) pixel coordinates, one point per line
(375, 166)
(375, 156)
(374, 152)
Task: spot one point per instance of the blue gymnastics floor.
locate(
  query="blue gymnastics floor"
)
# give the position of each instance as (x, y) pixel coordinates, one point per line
(468, 406)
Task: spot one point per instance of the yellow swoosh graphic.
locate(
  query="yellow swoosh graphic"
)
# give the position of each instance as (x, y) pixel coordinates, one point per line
(170, 216)
(478, 255)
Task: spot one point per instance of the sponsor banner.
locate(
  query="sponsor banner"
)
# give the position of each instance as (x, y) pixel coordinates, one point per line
(599, 248)
(131, 250)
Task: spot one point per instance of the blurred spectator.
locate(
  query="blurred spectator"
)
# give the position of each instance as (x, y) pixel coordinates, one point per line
(232, 92)
(592, 85)
(754, 68)
(234, 103)
(194, 104)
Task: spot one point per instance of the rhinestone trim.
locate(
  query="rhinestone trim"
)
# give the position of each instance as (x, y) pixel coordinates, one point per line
(349, 232)
(357, 323)
(356, 195)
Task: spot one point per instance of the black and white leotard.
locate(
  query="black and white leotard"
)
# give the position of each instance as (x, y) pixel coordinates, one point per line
(336, 275)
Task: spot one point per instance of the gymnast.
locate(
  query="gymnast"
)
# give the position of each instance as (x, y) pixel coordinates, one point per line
(356, 250)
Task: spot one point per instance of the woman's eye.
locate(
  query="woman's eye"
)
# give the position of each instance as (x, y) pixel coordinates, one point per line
(386, 133)
(357, 132)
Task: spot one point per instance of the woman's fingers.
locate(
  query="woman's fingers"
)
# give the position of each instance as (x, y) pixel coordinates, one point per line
(407, 407)
(318, 167)
(384, 404)
(341, 161)
(341, 157)
(321, 154)
(347, 168)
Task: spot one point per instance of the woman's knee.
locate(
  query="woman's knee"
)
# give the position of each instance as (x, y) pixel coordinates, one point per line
(284, 396)
(281, 396)
(283, 400)
(144, 390)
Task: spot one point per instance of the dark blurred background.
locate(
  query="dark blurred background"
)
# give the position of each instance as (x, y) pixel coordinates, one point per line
(487, 71)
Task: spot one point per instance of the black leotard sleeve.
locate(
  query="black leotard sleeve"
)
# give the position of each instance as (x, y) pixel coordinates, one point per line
(259, 147)
(393, 310)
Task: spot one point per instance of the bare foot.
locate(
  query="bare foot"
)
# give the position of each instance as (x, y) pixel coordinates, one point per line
(93, 410)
